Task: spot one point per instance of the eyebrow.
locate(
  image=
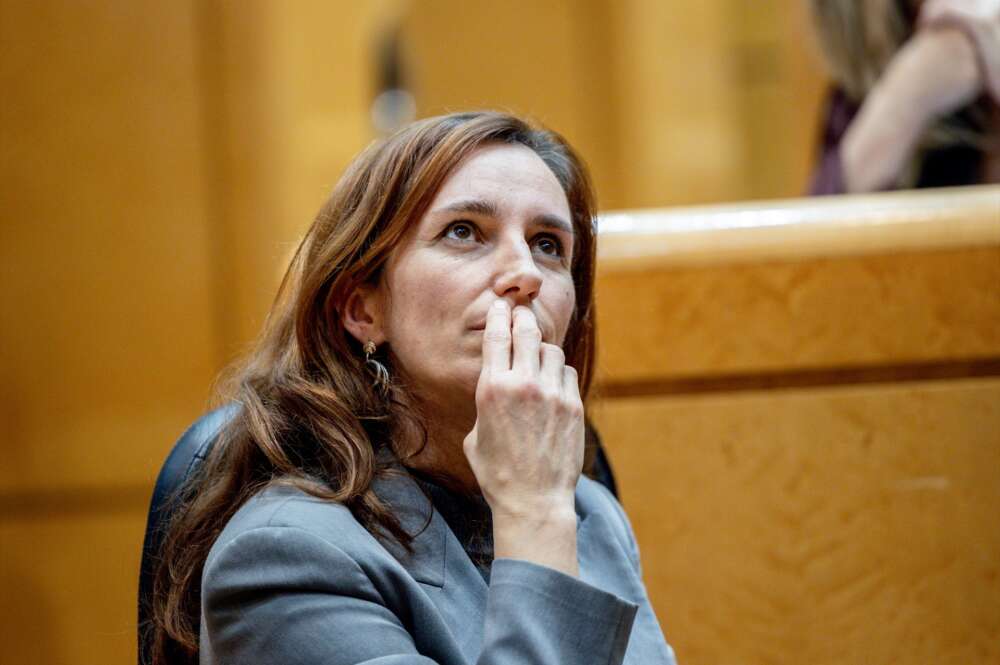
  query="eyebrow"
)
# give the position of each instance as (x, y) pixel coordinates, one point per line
(490, 209)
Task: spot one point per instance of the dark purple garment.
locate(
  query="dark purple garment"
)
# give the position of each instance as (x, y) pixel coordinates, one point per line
(829, 175)
(944, 167)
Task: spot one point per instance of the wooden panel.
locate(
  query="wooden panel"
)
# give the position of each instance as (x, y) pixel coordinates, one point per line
(716, 100)
(160, 160)
(681, 127)
(70, 587)
(288, 95)
(811, 314)
(797, 229)
(533, 58)
(852, 525)
(779, 83)
(669, 102)
(107, 334)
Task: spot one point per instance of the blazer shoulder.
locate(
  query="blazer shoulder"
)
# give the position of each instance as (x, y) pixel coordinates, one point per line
(594, 498)
(284, 506)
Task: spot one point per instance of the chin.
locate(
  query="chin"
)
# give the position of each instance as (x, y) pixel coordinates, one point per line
(467, 382)
(458, 385)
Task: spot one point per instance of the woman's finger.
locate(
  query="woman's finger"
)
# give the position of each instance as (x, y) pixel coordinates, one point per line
(571, 392)
(553, 364)
(497, 338)
(571, 384)
(527, 338)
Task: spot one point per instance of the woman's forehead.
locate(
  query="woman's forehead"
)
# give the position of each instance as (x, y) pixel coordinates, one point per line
(503, 175)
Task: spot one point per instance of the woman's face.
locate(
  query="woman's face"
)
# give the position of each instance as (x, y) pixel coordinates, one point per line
(499, 227)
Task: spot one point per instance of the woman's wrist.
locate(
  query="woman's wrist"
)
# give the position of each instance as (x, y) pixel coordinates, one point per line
(547, 538)
(516, 506)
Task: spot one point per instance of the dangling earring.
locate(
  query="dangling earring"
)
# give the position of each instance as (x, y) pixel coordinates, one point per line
(378, 369)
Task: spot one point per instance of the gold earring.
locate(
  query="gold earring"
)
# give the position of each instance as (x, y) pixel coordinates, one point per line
(381, 381)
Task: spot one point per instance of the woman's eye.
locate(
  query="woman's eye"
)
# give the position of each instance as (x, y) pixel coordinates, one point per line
(549, 245)
(461, 231)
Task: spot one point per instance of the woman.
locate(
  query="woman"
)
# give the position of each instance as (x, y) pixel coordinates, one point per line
(403, 485)
(916, 96)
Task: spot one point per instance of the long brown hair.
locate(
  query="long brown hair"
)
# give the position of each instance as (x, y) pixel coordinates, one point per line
(308, 412)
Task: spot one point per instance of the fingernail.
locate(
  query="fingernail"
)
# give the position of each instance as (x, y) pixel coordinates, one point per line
(500, 304)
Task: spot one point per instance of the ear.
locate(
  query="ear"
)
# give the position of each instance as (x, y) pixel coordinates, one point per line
(362, 314)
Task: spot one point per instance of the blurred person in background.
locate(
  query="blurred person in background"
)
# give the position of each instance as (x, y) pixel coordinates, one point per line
(403, 482)
(915, 97)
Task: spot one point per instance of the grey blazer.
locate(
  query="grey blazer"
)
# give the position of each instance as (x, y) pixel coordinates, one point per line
(296, 580)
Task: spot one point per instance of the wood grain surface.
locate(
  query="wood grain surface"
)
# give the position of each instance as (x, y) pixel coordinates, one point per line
(822, 526)
(810, 314)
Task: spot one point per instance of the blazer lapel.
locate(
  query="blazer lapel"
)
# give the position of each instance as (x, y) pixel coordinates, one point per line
(437, 560)
(416, 514)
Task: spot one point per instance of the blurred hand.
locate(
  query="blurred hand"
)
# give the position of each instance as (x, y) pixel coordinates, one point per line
(935, 72)
(932, 75)
(979, 20)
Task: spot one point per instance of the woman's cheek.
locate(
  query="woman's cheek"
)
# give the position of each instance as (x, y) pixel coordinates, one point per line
(565, 311)
(429, 299)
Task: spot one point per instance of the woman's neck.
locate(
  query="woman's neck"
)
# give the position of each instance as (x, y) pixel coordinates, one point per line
(443, 456)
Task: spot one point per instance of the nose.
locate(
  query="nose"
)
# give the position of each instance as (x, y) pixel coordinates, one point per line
(517, 276)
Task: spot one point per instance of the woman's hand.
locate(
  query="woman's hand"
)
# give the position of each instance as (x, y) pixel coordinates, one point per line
(980, 21)
(932, 75)
(526, 449)
(952, 59)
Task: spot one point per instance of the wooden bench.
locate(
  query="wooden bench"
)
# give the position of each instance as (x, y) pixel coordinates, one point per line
(801, 400)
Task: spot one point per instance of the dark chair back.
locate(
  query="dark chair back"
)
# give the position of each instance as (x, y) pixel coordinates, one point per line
(189, 451)
(187, 454)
